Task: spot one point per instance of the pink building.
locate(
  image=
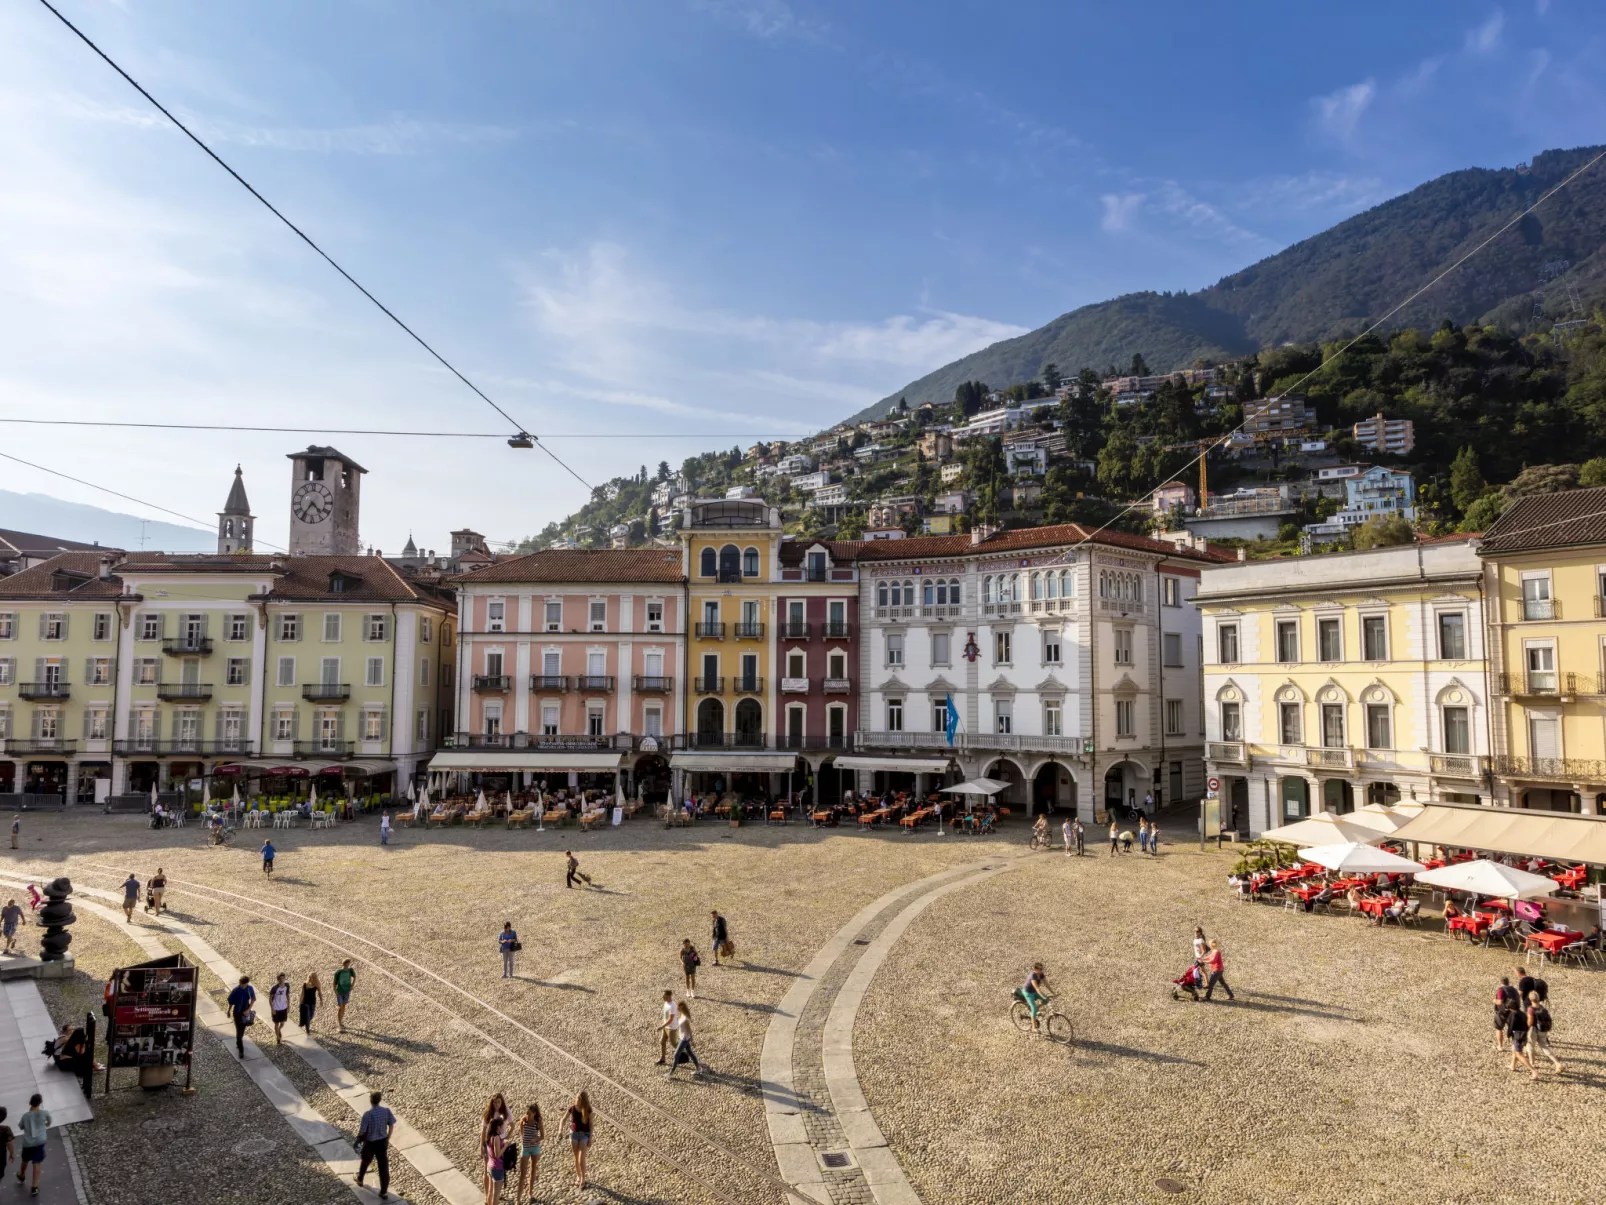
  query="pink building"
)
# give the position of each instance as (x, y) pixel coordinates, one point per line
(569, 662)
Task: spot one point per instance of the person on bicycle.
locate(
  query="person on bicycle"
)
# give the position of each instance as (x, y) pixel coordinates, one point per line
(1035, 993)
(1040, 830)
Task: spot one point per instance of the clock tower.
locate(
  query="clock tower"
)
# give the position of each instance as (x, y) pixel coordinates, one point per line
(325, 486)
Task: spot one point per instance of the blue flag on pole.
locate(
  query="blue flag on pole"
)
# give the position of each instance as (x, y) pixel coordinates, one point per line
(952, 724)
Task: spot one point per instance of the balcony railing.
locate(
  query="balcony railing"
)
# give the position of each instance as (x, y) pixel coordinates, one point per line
(836, 631)
(326, 692)
(794, 686)
(1541, 608)
(44, 690)
(549, 682)
(1456, 765)
(795, 631)
(38, 744)
(1548, 682)
(794, 741)
(572, 742)
(727, 740)
(748, 686)
(837, 686)
(1024, 742)
(187, 646)
(492, 684)
(750, 631)
(711, 631)
(1563, 769)
(1228, 753)
(595, 682)
(709, 686)
(138, 747)
(1330, 758)
(325, 748)
(652, 682)
(181, 691)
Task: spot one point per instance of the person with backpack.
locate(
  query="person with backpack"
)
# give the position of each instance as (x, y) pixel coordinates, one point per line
(34, 1125)
(242, 1009)
(690, 960)
(720, 937)
(1539, 1025)
(495, 1165)
(1506, 1002)
(1517, 1030)
(345, 977)
(508, 942)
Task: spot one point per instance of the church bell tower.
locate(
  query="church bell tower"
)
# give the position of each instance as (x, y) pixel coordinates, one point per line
(325, 487)
(235, 520)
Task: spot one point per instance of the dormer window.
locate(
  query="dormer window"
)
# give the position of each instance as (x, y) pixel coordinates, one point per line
(343, 583)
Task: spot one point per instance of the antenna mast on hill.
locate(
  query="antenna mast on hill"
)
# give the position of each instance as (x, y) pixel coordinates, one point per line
(1551, 274)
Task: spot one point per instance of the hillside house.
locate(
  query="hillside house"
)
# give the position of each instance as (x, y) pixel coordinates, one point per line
(1025, 458)
(949, 473)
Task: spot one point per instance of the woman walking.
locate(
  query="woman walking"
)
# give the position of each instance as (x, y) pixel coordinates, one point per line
(578, 1123)
(683, 1050)
(690, 960)
(1201, 947)
(1115, 838)
(1539, 1034)
(495, 1170)
(311, 993)
(496, 1114)
(531, 1133)
(279, 1006)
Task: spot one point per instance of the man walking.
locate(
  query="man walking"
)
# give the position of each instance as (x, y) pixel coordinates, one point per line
(130, 897)
(34, 1125)
(508, 942)
(384, 828)
(720, 936)
(1080, 834)
(10, 918)
(241, 1010)
(374, 1133)
(344, 978)
(666, 1028)
(1216, 962)
(573, 864)
(1065, 831)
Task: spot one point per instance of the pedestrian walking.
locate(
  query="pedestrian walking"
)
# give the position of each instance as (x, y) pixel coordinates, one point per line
(1529, 985)
(130, 897)
(1115, 839)
(666, 1028)
(16, 830)
(1217, 964)
(1539, 1024)
(1065, 832)
(578, 1123)
(34, 1125)
(8, 1149)
(1143, 836)
(1080, 834)
(344, 978)
(279, 1006)
(1505, 1000)
(1201, 947)
(495, 1167)
(157, 887)
(719, 938)
(683, 1051)
(690, 960)
(532, 1132)
(1517, 1031)
(10, 918)
(1154, 838)
(384, 828)
(267, 857)
(373, 1136)
(242, 1010)
(573, 868)
(508, 942)
(311, 997)
(1148, 803)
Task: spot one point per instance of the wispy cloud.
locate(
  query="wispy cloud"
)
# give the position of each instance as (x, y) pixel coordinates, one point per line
(767, 19)
(1118, 210)
(1201, 216)
(1486, 38)
(1339, 112)
(1316, 191)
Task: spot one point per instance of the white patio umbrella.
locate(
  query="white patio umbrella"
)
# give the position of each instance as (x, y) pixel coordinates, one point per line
(510, 803)
(1324, 828)
(479, 802)
(1384, 819)
(1489, 878)
(312, 796)
(411, 796)
(421, 806)
(1352, 857)
(153, 794)
(977, 786)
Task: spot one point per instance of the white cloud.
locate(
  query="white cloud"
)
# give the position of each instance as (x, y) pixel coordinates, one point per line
(1175, 201)
(1339, 112)
(766, 19)
(1118, 210)
(1539, 63)
(1486, 37)
(1316, 190)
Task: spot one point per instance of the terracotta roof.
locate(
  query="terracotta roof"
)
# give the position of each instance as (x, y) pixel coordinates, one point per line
(1018, 539)
(376, 580)
(1559, 520)
(39, 581)
(583, 565)
(27, 541)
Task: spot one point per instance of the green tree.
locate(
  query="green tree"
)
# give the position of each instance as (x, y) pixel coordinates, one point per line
(1466, 479)
(1481, 514)
(984, 465)
(1051, 377)
(1383, 532)
(970, 396)
(1139, 366)
(852, 526)
(1592, 472)
(903, 405)
(663, 470)
(1115, 463)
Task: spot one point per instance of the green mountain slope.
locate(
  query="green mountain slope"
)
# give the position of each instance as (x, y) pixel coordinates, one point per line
(1333, 282)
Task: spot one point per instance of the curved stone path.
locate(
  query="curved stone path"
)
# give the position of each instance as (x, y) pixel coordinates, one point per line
(826, 1141)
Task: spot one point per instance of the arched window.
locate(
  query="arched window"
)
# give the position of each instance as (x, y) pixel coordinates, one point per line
(881, 594)
(897, 594)
(1137, 587)
(942, 594)
(1015, 594)
(1104, 585)
(953, 592)
(710, 566)
(928, 593)
(1067, 583)
(987, 588)
(750, 563)
(908, 594)
(730, 563)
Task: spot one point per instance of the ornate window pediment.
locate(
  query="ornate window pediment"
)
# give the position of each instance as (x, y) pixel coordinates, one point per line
(1290, 692)
(1456, 693)
(1125, 686)
(1331, 692)
(1379, 691)
(1230, 692)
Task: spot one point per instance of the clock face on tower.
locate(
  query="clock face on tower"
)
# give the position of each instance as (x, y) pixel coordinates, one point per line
(313, 503)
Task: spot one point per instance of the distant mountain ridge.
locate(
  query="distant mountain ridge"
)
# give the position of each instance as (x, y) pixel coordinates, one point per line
(1333, 282)
(47, 516)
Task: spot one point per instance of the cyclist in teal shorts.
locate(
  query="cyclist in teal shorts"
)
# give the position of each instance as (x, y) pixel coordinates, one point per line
(1035, 991)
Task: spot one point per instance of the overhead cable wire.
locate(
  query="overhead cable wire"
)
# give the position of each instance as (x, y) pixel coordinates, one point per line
(95, 422)
(304, 237)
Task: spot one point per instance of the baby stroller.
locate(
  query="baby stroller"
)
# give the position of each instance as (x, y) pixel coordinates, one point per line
(1192, 980)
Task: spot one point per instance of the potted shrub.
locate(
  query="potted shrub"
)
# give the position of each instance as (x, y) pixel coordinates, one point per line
(737, 812)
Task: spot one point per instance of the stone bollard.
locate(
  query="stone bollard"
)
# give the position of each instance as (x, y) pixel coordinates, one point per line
(56, 915)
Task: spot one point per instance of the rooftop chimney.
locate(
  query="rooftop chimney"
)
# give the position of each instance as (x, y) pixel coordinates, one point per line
(105, 568)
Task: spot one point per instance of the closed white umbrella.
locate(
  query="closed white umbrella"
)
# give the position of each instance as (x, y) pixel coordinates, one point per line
(1324, 828)
(312, 797)
(1489, 878)
(1352, 857)
(479, 802)
(421, 807)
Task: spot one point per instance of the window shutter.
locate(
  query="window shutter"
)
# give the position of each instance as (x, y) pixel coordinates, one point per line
(65, 618)
(89, 671)
(340, 725)
(156, 724)
(38, 722)
(245, 671)
(44, 625)
(38, 669)
(295, 724)
(384, 725)
(87, 713)
(206, 621)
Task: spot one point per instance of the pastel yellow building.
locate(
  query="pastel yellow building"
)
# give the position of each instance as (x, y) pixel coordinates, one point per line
(1545, 576)
(1335, 681)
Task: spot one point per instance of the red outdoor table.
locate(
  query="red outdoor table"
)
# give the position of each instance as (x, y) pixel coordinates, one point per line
(1306, 893)
(1553, 943)
(1377, 905)
(1472, 925)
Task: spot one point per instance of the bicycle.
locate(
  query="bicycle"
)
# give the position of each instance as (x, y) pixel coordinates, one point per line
(220, 836)
(1039, 840)
(1051, 1023)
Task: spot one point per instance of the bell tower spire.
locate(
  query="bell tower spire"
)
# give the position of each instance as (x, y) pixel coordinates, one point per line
(235, 520)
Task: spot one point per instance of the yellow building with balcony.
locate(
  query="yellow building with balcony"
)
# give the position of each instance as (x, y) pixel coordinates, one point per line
(1339, 680)
(1545, 577)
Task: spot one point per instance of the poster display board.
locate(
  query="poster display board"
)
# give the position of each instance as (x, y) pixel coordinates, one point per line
(152, 1022)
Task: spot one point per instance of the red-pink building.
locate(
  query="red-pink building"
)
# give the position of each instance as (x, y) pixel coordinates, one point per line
(569, 662)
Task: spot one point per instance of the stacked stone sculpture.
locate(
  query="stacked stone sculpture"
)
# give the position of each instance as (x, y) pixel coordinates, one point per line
(56, 915)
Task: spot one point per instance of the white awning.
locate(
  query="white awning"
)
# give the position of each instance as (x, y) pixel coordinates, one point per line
(907, 765)
(497, 760)
(1554, 835)
(733, 762)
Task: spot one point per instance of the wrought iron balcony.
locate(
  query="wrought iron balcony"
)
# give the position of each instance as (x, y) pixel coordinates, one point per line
(180, 747)
(187, 646)
(175, 692)
(38, 744)
(651, 682)
(795, 631)
(837, 686)
(492, 684)
(709, 686)
(325, 748)
(1227, 753)
(1541, 608)
(794, 686)
(549, 682)
(1560, 769)
(750, 631)
(813, 741)
(836, 631)
(747, 686)
(44, 690)
(727, 740)
(595, 682)
(326, 692)
(711, 631)
(1022, 741)
(573, 742)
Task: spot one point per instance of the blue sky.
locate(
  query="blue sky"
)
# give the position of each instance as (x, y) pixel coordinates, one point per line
(652, 218)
